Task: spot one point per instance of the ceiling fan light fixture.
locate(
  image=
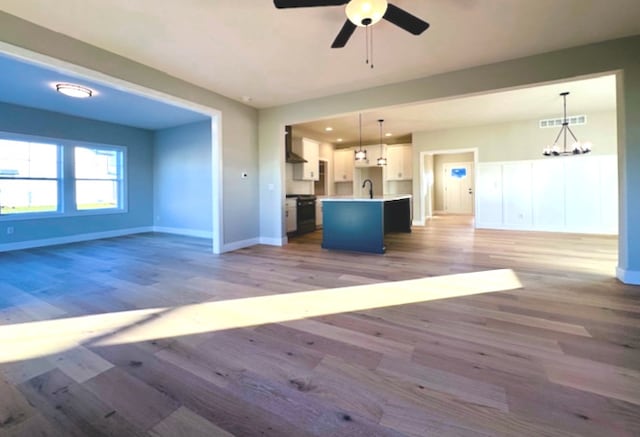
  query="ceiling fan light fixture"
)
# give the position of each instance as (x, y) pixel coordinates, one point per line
(366, 12)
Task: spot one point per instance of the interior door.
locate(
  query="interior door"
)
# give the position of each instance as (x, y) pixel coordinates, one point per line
(458, 188)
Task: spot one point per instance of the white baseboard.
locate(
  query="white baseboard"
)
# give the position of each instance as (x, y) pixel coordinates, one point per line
(182, 231)
(240, 244)
(273, 241)
(417, 223)
(628, 276)
(591, 231)
(73, 238)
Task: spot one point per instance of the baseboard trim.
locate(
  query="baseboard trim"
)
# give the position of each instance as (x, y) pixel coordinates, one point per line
(183, 231)
(240, 244)
(273, 241)
(500, 226)
(73, 238)
(628, 276)
(417, 223)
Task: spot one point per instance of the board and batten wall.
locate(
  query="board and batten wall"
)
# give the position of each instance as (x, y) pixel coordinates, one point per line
(518, 188)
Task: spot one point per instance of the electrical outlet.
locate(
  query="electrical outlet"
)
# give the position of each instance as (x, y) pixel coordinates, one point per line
(9, 230)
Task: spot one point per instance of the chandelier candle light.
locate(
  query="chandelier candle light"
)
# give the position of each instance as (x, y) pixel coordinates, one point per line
(577, 148)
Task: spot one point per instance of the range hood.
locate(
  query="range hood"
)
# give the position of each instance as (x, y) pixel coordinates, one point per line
(290, 156)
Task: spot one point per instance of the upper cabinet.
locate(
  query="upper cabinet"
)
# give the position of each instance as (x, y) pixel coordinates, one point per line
(309, 150)
(343, 165)
(399, 163)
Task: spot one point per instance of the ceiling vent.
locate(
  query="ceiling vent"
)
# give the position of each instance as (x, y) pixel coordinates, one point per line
(575, 120)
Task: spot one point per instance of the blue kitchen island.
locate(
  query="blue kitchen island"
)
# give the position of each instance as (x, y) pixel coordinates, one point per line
(359, 224)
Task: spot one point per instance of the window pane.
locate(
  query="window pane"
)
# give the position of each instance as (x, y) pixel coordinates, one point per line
(28, 160)
(97, 163)
(21, 196)
(96, 194)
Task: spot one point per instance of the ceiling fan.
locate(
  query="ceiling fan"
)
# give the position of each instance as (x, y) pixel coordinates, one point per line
(363, 13)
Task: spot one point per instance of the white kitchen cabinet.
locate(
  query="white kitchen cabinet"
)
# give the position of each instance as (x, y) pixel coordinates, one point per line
(343, 165)
(291, 214)
(309, 150)
(399, 163)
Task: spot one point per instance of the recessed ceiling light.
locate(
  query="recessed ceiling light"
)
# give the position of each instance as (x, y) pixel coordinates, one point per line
(328, 128)
(73, 90)
(388, 134)
(339, 140)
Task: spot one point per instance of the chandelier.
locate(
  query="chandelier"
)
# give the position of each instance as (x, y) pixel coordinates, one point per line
(577, 147)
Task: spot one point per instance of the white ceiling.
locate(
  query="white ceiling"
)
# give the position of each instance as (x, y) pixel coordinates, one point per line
(249, 48)
(544, 101)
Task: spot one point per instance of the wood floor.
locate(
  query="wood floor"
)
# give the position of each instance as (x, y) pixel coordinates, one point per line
(453, 332)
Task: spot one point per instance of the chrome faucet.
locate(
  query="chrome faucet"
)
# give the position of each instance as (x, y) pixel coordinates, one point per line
(370, 187)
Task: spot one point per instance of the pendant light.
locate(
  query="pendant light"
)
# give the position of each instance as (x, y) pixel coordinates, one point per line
(360, 154)
(382, 161)
(577, 148)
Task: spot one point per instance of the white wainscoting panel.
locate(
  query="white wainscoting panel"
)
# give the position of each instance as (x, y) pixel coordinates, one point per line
(609, 193)
(563, 194)
(489, 195)
(547, 179)
(516, 194)
(582, 194)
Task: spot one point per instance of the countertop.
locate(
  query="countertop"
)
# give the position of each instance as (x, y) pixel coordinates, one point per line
(384, 198)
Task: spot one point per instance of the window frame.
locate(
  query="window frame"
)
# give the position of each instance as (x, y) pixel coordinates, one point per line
(122, 182)
(66, 179)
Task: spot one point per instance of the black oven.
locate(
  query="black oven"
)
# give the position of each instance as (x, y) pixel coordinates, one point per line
(306, 212)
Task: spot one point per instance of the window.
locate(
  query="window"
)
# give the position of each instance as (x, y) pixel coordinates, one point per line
(98, 178)
(29, 177)
(59, 178)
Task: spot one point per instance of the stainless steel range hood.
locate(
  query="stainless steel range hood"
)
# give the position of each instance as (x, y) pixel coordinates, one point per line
(290, 156)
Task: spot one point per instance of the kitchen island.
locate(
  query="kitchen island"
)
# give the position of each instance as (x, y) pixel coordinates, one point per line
(359, 223)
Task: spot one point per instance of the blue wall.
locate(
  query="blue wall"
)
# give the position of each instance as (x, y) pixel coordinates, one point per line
(182, 178)
(139, 143)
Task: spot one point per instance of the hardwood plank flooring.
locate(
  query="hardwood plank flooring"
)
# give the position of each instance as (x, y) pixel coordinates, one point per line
(453, 332)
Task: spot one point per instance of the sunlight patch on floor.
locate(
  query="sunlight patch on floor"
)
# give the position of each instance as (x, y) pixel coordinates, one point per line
(36, 339)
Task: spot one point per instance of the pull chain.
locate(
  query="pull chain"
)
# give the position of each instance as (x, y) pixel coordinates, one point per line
(371, 45)
(368, 38)
(366, 44)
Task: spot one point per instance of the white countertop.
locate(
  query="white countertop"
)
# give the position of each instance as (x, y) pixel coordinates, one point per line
(384, 198)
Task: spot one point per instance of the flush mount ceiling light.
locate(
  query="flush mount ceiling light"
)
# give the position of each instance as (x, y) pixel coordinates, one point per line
(577, 148)
(73, 90)
(360, 154)
(328, 129)
(382, 161)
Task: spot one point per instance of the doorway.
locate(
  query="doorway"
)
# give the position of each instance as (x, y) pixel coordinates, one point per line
(321, 186)
(457, 184)
(432, 183)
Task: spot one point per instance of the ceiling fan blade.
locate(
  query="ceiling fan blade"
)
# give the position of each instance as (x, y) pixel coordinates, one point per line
(405, 20)
(343, 36)
(284, 4)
